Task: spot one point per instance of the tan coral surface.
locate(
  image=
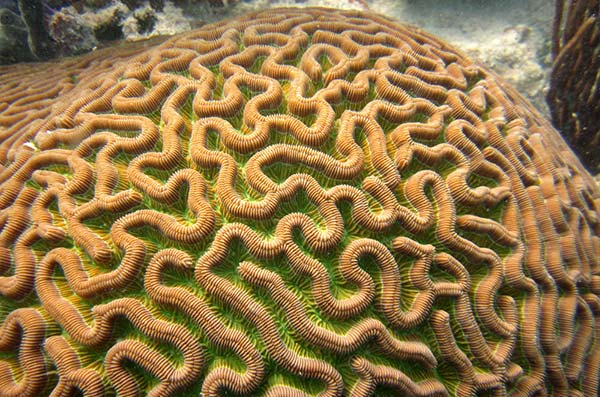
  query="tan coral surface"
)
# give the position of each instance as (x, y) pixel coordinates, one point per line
(295, 202)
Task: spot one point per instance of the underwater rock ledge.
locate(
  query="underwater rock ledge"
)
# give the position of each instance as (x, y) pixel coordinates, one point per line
(293, 202)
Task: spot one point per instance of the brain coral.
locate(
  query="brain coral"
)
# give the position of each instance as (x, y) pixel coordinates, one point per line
(291, 203)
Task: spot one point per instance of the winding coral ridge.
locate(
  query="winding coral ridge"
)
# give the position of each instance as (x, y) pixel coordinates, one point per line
(292, 203)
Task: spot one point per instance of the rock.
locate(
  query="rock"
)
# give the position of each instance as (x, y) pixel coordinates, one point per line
(71, 32)
(39, 40)
(171, 21)
(107, 23)
(146, 22)
(13, 38)
(140, 23)
(97, 3)
(132, 4)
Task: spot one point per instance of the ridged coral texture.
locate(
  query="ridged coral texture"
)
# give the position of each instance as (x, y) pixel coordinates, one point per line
(292, 203)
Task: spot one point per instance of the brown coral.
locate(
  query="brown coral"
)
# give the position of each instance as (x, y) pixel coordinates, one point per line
(574, 94)
(294, 202)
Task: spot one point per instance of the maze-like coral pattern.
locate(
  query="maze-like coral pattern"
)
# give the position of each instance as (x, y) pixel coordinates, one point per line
(292, 203)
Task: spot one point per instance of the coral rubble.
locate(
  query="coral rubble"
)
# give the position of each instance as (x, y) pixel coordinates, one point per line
(294, 202)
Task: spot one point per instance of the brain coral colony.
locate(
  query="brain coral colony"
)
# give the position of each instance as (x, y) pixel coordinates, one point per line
(292, 203)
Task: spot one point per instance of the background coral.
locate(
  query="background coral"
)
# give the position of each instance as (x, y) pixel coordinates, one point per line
(295, 202)
(574, 95)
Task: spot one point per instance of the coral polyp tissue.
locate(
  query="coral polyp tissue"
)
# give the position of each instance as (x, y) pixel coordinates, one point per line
(291, 203)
